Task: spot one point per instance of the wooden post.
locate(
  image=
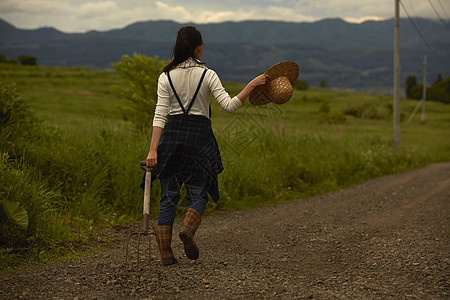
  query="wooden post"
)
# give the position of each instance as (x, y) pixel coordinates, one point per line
(423, 116)
(396, 116)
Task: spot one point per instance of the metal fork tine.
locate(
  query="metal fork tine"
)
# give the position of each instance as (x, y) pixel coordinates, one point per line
(145, 231)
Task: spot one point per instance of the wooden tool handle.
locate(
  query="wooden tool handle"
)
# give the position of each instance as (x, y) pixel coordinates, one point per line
(146, 206)
(147, 191)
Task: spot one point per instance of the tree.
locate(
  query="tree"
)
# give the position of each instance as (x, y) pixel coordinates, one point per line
(323, 83)
(417, 91)
(439, 78)
(440, 91)
(410, 83)
(3, 59)
(140, 77)
(27, 60)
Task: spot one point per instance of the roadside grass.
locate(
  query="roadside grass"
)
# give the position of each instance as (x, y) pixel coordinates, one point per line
(87, 156)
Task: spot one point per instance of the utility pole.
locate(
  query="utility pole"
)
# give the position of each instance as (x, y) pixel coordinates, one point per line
(423, 116)
(396, 116)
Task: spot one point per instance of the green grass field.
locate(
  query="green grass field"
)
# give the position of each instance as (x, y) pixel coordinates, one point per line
(87, 156)
(82, 102)
(78, 99)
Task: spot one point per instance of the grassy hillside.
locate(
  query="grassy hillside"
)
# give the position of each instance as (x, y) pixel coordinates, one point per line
(83, 160)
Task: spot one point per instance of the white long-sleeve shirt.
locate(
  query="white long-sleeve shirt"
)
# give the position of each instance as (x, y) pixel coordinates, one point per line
(185, 79)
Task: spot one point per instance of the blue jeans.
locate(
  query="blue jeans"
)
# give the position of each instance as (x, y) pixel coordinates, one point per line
(196, 194)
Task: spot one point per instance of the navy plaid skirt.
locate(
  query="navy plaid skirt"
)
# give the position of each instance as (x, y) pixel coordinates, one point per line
(188, 145)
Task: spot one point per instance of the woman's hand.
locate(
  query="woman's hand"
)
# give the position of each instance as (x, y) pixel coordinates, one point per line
(152, 157)
(152, 160)
(257, 81)
(260, 80)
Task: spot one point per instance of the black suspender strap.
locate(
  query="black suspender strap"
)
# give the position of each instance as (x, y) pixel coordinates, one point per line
(193, 98)
(196, 91)
(175, 93)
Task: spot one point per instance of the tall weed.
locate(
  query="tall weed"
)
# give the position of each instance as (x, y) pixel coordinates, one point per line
(277, 168)
(22, 184)
(17, 121)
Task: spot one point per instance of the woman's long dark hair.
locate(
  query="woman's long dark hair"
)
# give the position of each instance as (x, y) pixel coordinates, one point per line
(188, 38)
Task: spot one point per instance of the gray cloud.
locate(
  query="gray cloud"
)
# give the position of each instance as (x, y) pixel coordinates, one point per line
(84, 15)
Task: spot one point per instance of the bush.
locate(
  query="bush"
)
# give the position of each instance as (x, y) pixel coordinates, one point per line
(367, 110)
(323, 84)
(301, 85)
(12, 61)
(4, 60)
(417, 91)
(334, 118)
(17, 122)
(27, 60)
(140, 77)
(440, 91)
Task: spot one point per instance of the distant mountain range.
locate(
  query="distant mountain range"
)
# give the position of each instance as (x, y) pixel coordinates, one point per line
(346, 55)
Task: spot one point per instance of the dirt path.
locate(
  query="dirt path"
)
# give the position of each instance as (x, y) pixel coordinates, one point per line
(385, 239)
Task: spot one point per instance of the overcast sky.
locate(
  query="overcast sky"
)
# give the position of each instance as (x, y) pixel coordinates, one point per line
(85, 15)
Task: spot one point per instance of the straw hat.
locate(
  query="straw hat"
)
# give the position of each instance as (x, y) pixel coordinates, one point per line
(280, 87)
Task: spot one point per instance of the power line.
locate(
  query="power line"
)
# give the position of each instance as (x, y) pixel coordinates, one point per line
(414, 25)
(415, 15)
(439, 16)
(423, 37)
(442, 7)
(412, 7)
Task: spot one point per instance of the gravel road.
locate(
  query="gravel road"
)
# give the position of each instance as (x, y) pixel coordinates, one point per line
(385, 239)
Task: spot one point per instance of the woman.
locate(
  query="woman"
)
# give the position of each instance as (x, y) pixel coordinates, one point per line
(183, 147)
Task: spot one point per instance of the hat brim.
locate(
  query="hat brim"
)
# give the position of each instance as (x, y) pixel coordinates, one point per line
(289, 69)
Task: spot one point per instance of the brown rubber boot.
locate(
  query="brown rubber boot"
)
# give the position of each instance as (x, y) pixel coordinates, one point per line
(164, 238)
(191, 222)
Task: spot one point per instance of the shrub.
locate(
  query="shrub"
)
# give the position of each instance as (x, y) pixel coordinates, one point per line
(17, 122)
(140, 77)
(301, 85)
(334, 118)
(440, 90)
(323, 84)
(367, 110)
(27, 60)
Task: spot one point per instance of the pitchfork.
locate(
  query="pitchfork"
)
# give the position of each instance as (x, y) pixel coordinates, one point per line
(146, 212)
